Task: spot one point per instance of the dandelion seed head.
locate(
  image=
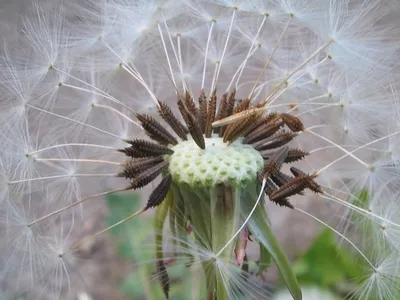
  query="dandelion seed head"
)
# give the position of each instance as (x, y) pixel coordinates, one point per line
(105, 96)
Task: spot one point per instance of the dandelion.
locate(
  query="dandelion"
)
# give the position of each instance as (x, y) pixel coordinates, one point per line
(220, 109)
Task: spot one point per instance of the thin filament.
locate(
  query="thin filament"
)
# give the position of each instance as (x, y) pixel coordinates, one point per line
(80, 160)
(62, 176)
(327, 44)
(206, 54)
(224, 50)
(339, 234)
(69, 144)
(270, 57)
(101, 232)
(74, 204)
(74, 121)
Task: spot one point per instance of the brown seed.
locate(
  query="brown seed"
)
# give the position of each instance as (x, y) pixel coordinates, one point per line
(283, 202)
(311, 184)
(242, 106)
(166, 113)
(193, 125)
(136, 166)
(254, 126)
(211, 107)
(275, 162)
(202, 111)
(278, 140)
(159, 193)
(292, 122)
(263, 131)
(155, 130)
(222, 108)
(260, 122)
(231, 103)
(142, 179)
(231, 129)
(294, 186)
(297, 172)
(239, 128)
(269, 189)
(143, 148)
(182, 109)
(191, 105)
(229, 106)
(295, 155)
(281, 179)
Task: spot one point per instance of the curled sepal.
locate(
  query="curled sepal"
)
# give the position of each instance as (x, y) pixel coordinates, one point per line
(160, 216)
(261, 230)
(241, 245)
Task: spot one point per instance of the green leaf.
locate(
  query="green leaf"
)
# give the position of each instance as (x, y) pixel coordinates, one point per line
(128, 233)
(130, 237)
(261, 229)
(325, 264)
(137, 286)
(321, 264)
(263, 233)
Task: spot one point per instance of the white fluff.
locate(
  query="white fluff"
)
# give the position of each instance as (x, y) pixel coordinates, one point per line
(74, 74)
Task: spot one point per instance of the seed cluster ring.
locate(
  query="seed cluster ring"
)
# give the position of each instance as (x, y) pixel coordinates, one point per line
(269, 135)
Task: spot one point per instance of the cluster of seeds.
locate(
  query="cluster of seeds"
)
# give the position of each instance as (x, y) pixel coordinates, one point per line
(233, 144)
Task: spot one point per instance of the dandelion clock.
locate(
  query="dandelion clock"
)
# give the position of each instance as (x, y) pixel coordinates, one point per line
(223, 115)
